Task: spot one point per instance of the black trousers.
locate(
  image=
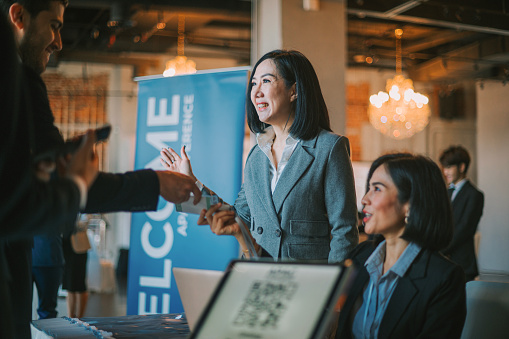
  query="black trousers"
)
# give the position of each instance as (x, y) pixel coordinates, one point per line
(6, 318)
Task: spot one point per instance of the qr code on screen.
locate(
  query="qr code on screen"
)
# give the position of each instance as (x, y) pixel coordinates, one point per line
(265, 304)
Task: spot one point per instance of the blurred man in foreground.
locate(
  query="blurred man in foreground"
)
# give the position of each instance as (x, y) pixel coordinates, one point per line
(36, 25)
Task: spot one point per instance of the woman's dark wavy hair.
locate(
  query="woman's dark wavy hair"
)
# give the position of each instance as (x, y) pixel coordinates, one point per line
(420, 182)
(311, 113)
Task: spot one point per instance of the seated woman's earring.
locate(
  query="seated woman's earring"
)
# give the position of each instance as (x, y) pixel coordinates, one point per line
(406, 218)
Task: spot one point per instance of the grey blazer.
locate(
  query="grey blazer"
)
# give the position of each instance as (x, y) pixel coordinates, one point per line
(312, 214)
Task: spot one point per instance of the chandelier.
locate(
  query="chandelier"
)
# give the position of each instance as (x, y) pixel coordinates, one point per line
(400, 112)
(180, 64)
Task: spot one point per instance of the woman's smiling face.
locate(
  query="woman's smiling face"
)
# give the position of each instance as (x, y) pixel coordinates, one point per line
(270, 96)
(383, 213)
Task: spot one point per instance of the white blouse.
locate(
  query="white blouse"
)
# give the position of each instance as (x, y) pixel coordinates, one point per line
(265, 141)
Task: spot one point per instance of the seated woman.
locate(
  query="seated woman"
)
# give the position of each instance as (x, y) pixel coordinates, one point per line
(298, 196)
(404, 287)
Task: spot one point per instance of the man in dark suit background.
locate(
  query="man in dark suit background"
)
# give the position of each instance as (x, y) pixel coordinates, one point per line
(36, 25)
(467, 206)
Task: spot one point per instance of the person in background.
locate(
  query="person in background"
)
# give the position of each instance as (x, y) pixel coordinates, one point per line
(47, 271)
(467, 205)
(47, 258)
(36, 25)
(405, 288)
(75, 274)
(298, 196)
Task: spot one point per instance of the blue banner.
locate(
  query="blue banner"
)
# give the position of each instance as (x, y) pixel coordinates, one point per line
(205, 112)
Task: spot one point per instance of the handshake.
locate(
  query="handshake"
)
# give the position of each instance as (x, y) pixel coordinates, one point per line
(206, 202)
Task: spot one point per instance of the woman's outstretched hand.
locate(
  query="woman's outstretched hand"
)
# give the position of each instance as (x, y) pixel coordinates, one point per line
(221, 222)
(173, 162)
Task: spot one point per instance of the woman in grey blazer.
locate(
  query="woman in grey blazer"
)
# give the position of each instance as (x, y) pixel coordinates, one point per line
(298, 196)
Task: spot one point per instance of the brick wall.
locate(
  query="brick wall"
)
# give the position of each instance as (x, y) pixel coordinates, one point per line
(76, 100)
(78, 103)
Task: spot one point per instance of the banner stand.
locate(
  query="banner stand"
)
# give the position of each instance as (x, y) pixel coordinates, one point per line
(206, 113)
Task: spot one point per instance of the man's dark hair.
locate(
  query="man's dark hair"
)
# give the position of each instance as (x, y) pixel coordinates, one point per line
(34, 7)
(455, 156)
(420, 183)
(311, 113)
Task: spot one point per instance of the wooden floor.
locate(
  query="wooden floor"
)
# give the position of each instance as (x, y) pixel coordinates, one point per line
(108, 304)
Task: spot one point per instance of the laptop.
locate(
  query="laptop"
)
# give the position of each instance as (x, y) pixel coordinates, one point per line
(195, 287)
(269, 300)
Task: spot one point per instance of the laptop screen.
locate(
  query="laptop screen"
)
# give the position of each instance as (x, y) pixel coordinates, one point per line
(256, 300)
(195, 286)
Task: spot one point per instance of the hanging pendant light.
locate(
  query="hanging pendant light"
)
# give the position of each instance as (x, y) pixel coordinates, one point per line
(180, 64)
(400, 112)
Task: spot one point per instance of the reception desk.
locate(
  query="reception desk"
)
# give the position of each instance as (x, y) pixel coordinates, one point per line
(172, 326)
